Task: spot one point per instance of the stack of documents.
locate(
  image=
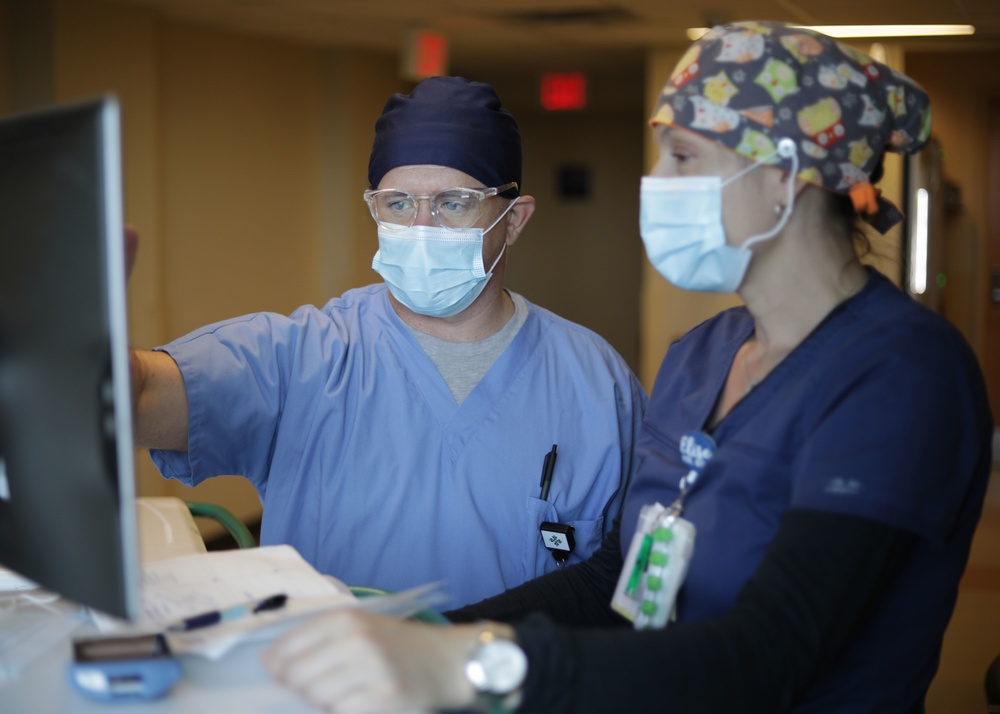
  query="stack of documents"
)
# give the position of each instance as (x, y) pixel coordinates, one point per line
(175, 589)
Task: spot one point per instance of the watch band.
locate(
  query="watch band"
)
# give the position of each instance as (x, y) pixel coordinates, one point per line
(496, 655)
(492, 704)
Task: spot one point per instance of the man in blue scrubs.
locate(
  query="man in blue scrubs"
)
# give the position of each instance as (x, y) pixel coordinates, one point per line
(396, 435)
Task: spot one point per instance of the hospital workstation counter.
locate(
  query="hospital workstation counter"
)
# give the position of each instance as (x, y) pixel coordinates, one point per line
(235, 682)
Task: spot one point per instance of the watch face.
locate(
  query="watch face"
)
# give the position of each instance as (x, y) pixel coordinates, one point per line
(498, 667)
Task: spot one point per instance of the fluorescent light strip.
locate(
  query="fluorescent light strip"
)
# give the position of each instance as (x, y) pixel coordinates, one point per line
(918, 245)
(849, 31)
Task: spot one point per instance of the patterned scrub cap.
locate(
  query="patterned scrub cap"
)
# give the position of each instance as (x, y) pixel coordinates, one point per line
(749, 84)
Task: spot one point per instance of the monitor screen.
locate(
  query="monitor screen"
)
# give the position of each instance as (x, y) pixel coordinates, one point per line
(67, 480)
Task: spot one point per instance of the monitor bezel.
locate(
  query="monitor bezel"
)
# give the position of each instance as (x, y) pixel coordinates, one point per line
(100, 119)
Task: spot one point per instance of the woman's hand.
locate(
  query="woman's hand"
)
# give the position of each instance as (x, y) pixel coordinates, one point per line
(354, 662)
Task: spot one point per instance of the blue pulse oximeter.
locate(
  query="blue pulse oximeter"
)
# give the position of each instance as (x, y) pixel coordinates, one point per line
(123, 668)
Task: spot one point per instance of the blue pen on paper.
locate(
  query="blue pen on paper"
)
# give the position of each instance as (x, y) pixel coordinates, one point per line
(548, 466)
(274, 602)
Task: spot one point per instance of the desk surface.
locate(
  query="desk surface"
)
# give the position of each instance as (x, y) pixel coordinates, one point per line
(237, 682)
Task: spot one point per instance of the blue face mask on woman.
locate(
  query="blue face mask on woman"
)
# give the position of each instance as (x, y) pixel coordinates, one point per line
(435, 271)
(680, 221)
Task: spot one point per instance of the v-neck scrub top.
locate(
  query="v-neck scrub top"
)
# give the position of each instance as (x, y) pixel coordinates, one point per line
(365, 463)
(880, 413)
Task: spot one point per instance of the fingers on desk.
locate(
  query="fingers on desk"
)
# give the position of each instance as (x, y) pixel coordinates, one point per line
(338, 660)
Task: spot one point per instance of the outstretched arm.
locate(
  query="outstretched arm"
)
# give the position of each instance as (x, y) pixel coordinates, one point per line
(159, 402)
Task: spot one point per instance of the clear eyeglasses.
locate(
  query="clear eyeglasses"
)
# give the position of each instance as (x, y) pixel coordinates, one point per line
(453, 208)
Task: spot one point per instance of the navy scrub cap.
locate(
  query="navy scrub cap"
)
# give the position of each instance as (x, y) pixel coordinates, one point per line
(448, 121)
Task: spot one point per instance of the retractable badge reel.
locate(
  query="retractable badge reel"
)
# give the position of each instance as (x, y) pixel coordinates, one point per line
(558, 539)
(658, 556)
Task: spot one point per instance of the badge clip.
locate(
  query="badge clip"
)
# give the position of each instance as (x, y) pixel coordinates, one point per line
(558, 539)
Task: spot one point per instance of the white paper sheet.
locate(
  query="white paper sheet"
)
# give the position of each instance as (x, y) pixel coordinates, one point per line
(182, 587)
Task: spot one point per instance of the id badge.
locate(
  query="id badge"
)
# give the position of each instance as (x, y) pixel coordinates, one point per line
(655, 566)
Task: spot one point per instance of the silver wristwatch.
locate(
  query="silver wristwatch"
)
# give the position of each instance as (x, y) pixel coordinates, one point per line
(496, 669)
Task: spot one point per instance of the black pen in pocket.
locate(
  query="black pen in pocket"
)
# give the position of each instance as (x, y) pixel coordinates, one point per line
(548, 466)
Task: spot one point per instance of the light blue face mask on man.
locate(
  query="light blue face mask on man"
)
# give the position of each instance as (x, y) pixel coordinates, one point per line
(435, 271)
(680, 221)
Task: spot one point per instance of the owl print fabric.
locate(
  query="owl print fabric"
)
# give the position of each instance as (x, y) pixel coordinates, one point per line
(748, 85)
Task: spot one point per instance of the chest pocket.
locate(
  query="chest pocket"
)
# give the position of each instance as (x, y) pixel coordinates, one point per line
(536, 559)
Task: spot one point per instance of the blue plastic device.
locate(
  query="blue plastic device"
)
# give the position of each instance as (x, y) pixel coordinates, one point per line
(123, 668)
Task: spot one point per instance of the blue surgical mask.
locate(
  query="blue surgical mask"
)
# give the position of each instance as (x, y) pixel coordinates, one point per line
(435, 271)
(680, 221)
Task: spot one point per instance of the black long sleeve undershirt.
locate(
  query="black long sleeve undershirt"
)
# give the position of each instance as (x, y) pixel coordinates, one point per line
(791, 620)
(578, 595)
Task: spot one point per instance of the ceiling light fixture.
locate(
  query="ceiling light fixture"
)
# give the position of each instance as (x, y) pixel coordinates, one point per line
(852, 31)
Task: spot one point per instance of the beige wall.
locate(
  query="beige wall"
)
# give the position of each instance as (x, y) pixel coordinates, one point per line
(582, 258)
(126, 66)
(356, 86)
(241, 168)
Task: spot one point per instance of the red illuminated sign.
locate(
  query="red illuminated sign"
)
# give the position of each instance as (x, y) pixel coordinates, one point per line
(563, 91)
(429, 54)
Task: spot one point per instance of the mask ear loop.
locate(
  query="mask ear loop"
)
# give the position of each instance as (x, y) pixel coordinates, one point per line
(786, 150)
(500, 217)
(492, 225)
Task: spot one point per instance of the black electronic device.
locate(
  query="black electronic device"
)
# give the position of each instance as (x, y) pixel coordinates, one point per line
(67, 483)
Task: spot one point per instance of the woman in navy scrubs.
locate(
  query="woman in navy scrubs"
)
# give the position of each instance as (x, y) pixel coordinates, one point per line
(827, 444)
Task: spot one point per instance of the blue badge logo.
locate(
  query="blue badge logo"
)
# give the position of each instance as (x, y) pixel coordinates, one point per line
(697, 448)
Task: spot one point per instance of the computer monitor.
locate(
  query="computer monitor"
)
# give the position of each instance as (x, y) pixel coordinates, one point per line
(67, 478)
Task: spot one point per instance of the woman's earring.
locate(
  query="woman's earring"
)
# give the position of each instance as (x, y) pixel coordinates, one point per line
(778, 208)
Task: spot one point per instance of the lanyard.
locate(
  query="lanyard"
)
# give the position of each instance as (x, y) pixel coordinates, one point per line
(697, 449)
(657, 559)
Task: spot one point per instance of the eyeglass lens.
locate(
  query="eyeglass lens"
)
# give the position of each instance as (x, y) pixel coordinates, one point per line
(454, 208)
